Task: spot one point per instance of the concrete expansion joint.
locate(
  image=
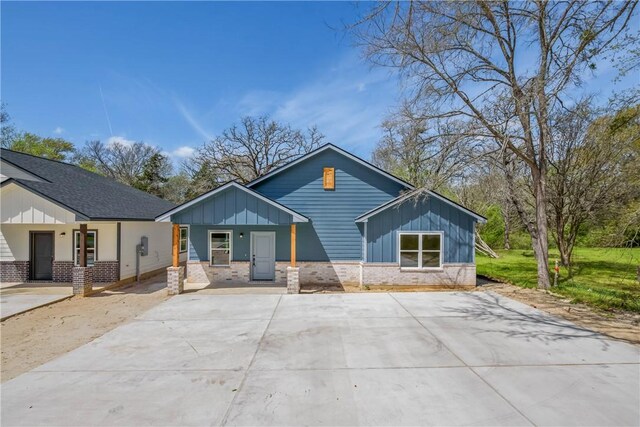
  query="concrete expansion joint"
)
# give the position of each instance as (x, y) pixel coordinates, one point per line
(253, 358)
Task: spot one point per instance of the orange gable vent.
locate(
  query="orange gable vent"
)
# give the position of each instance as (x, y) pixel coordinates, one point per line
(328, 180)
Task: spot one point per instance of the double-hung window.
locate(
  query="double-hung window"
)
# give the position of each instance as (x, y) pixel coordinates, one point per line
(420, 250)
(92, 244)
(184, 232)
(219, 248)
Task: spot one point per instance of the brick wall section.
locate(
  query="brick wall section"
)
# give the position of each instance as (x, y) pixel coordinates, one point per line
(63, 271)
(175, 280)
(14, 271)
(329, 273)
(451, 275)
(103, 271)
(82, 280)
(293, 280)
(106, 271)
(237, 272)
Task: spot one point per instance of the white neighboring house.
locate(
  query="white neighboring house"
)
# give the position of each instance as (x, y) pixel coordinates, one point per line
(42, 205)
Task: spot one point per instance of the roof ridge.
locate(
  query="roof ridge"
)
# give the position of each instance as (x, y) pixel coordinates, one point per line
(39, 157)
(338, 149)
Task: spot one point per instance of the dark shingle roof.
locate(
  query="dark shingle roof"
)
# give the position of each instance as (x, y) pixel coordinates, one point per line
(88, 194)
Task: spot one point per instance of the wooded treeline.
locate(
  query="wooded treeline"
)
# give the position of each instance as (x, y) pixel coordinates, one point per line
(242, 153)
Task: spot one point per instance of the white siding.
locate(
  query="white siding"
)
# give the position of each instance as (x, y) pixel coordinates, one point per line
(19, 206)
(14, 240)
(159, 235)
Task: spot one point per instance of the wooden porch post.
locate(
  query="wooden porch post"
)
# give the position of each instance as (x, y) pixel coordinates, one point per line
(176, 245)
(82, 262)
(293, 245)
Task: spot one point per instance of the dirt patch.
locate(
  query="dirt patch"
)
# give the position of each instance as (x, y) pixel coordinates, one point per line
(28, 340)
(618, 324)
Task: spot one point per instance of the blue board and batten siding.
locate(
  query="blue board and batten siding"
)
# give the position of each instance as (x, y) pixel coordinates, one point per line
(241, 246)
(430, 214)
(331, 234)
(232, 206)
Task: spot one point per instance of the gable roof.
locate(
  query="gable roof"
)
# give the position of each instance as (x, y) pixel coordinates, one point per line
(296, 216)
(338, 150)
(89, 195)
(401, 198)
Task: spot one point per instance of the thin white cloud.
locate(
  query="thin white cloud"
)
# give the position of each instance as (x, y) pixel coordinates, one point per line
(195, 124)
(119, 140)
(58, 130)
(347, 103)
(183, 152)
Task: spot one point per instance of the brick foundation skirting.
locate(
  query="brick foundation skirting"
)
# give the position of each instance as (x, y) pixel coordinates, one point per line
(62, 271)
(14, 271)
(103, 271)
(450, 276)
(106, 271)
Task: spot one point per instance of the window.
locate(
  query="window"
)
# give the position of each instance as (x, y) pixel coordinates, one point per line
(219, 248)
(92, 240)
(184, 233)
(420, 250)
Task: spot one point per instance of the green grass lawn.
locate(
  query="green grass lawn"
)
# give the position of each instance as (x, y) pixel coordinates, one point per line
(602, 277)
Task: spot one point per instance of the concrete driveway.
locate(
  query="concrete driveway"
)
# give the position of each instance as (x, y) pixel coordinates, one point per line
(17, 298)
(336, 359)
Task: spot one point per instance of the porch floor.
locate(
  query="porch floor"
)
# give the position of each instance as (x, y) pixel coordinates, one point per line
(235, 288)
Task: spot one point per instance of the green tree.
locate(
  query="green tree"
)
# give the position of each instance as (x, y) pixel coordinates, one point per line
(8, 131)
(155, 174)
(50, 148)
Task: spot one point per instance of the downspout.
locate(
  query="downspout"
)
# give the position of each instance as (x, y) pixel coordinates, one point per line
(119, 248)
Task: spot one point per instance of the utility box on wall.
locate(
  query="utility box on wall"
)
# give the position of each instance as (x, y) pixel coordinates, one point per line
(144, 246)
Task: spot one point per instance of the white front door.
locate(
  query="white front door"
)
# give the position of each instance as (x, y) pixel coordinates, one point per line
(263, 255)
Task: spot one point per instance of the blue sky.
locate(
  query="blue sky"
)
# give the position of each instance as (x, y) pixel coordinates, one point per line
(175, 74)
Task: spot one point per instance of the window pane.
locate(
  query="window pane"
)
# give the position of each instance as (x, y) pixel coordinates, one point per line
(219, 257)
(183, 233)
(409, 259)
(409, 242)
(91, 256)
(430, 242)
(430, 259)
(219, 240)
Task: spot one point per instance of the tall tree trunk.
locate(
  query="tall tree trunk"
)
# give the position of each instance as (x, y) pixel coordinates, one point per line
(541, 243)
(507, 229)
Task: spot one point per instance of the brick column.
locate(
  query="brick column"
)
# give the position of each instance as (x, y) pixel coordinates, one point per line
(82, 280)
(293, 280)
(175, 280)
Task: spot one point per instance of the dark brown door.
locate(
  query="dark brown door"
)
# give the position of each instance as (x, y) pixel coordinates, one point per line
(41, 256)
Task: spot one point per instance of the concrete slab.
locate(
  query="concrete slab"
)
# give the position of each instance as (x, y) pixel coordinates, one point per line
(350, 343)
(440, 396)
(358, 359)
(210, 307)
(118, 398)
(526, 340)
(587, 395)
(157, 345)
(338, 306)
(12, 304)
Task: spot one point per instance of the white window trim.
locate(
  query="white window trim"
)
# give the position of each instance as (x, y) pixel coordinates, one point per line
(186, 227)
(230, 232)
(421, 233)
(76, 234)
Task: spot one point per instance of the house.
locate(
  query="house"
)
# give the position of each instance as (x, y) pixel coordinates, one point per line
(50, 211)
(329, 218)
